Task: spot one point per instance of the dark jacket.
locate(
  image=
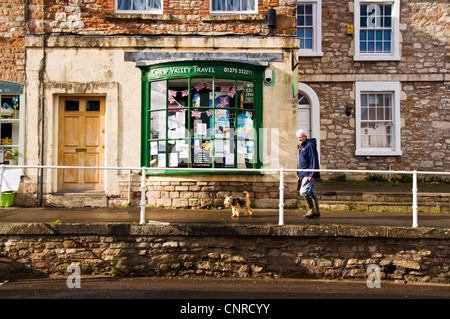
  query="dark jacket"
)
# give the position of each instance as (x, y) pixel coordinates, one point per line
(308, 158)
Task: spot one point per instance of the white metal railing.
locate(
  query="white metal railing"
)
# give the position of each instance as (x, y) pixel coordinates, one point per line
(281, 172)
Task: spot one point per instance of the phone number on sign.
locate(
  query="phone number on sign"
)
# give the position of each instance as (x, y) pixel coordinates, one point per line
(238, 71)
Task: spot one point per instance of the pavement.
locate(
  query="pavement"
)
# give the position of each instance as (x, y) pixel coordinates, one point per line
(88, 215)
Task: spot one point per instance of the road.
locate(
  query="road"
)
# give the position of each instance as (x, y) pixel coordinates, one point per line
(196, 289)
(200, 297)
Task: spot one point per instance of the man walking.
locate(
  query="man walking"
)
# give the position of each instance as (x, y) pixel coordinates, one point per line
(308, 159)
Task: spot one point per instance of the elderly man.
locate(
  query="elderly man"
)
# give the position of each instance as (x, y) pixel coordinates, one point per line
(308, 159)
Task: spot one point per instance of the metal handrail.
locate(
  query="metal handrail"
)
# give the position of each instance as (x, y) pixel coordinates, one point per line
(281, 171)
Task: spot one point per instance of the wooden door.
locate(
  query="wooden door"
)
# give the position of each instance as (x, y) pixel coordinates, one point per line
(81, 136)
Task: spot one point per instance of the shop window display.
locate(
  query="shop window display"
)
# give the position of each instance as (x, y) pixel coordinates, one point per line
(201, 122)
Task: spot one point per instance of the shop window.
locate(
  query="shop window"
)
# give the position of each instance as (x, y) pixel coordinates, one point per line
(11, 148)
(202, 121)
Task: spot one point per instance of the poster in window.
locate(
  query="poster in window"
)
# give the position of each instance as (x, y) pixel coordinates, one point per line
(222, 125)
(201, 150)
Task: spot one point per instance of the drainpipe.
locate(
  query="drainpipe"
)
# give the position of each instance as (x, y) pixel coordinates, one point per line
(42, 84)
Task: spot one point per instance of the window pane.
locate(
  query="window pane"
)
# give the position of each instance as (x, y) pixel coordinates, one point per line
(233, 5)
(308, 9)
(300, 9)
(72, 106)
(177, 123)
(225, 93)
(124, 4)
(245, 125)
(224, 123)
(201, 92)
(139, 5)
(158, 95)
(178, 94)
(224, 153)
(301, 20)
(245, 94)
(248, 5)
(201, 153)
(201, 120)
(154, 4)
(245, 154)
(309, 20)
(158, 125)
(178, 151)
(157, 154)
(93, 106)
(10, 106)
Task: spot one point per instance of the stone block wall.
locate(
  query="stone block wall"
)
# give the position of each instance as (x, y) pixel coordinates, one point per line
(309, 251)
(203, 194)
(178, 17)
(12, 41)
(424, 128)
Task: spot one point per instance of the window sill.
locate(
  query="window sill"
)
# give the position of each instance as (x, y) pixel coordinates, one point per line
(141, 16)
(187, 172)
(367, 152)
(305, 53)
(212, 17)
(377, 58)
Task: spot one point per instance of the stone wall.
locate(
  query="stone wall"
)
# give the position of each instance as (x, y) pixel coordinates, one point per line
(424, 128)
(12, 45)
(308, 251)
(196, 194)
(178, 17)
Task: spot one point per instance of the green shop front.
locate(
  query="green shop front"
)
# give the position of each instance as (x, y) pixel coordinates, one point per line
(202, 115)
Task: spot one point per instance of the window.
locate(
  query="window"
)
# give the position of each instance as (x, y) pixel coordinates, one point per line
(11, 128)
(377, 30)
(202, 116)
(309, 16)
(138, 6)
(378, 118)
(234, 6)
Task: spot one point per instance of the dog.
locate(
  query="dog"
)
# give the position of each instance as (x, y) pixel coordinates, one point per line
(237, 204)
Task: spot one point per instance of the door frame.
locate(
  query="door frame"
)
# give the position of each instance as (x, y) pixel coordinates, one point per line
(57, 101)
(314, 105)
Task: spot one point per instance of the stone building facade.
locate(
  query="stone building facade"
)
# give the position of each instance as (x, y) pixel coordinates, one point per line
(371, 78)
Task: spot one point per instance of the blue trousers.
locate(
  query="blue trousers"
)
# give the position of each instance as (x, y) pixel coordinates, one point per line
(307, 188)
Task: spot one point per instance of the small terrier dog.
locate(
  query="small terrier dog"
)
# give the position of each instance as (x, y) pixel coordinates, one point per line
(238, 203)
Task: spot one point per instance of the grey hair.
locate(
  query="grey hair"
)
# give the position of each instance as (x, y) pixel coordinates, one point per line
(301, 132)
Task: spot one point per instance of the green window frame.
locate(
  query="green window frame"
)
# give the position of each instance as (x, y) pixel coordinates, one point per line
(201, 115)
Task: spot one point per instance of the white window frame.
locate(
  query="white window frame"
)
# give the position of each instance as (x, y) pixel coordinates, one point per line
(395, 36)
(151, 11)
(232, 12)
(379, 87)
(317, 28)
